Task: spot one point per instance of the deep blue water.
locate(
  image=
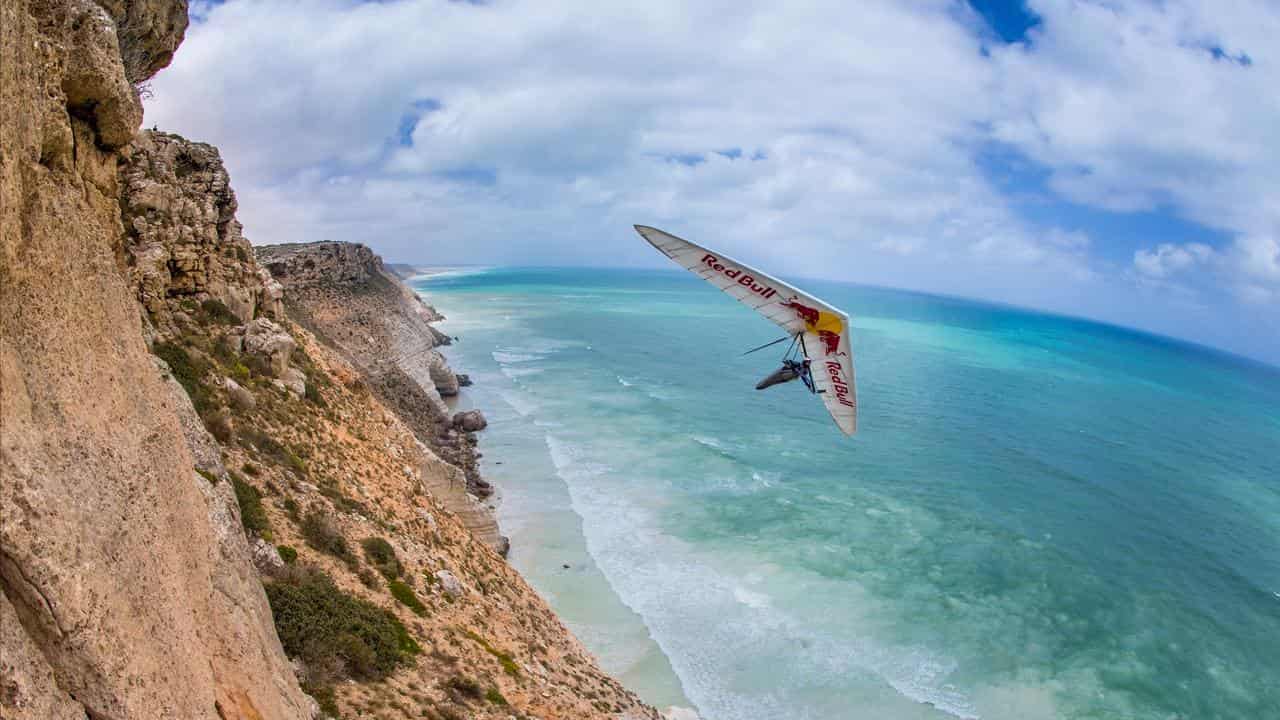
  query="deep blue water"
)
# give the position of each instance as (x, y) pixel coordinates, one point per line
(1039, 516)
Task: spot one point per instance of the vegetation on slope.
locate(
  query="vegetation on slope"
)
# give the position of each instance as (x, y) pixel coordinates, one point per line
(336, 634)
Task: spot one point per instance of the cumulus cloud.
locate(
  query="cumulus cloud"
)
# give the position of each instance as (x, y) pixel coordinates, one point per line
(1168, 259)
(812, 137)
(1157, 106)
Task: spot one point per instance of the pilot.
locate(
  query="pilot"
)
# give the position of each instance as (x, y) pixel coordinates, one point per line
(790, 370)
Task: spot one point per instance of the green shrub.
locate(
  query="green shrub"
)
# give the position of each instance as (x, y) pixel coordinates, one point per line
(329, 629)
(213, 479)
(494, 696)
(239, 372)
(287, 553)
(508, 664)
(321, 534)
(252, 514)
(406, 596)
(382, 557)
(296, 462)
(189, 371)
(324, 697)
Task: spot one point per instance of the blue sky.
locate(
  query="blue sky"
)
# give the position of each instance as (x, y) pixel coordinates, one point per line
(1116, 160)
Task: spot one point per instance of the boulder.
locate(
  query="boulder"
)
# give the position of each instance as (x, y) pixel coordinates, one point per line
(265, 557)
(241, 399)
(234, 341)
(270, 343)
(449, 583)
(272, 294)
(464, 380)
(469, 421)
(295, 381)
(442, 375)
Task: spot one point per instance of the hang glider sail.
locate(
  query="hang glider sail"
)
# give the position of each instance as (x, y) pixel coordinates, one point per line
(818, 331)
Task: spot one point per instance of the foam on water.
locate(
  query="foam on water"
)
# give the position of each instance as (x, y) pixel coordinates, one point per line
(653, 573)
(435, 275)
(505, 357)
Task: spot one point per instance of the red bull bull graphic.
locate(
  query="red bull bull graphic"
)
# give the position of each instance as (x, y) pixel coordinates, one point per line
(738, 276)
(825, 325)
(809, 315)
(830, 341)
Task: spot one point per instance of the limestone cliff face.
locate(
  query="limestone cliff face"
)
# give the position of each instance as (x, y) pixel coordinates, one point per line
(127, 588)
(183, 241)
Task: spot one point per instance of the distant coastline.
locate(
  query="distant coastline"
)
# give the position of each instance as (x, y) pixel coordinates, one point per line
(407, 272)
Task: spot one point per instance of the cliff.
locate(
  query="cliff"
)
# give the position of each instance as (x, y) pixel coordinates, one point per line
(352, 488)
(212, 495)
(343, 293)
(127, 585)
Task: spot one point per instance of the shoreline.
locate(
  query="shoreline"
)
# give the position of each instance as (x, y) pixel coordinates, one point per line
(549, 546)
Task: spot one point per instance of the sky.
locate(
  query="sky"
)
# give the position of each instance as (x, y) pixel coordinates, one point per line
(1117, 160)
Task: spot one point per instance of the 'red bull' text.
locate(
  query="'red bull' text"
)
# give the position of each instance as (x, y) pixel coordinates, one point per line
(738, 276)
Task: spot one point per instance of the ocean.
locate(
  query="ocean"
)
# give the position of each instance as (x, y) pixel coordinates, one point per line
(1040, 517)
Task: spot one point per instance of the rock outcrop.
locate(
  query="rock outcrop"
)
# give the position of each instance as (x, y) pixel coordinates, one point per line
(183, 241)
(128, 589)
(469, 421)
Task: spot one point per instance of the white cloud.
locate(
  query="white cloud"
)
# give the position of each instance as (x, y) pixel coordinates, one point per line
(1258, 256)
(1167, 259)
(808, 136)
(1156, 106)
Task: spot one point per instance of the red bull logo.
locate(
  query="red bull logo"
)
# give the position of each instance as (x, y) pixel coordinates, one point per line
(830, 341)
(809, 315)
(737, 275)
(827, 326)
(838, 384)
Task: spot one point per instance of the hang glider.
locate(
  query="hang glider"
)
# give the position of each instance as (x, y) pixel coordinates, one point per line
(819, 354)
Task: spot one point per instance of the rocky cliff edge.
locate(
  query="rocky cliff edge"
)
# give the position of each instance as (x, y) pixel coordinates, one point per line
(127, 586)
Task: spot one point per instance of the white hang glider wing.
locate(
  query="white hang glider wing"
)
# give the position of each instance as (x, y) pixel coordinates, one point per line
(822, 329)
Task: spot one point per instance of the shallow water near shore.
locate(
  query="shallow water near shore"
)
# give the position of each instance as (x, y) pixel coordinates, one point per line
(1040, 517)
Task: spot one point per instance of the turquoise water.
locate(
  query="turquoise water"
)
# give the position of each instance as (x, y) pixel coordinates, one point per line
(1039, 517)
